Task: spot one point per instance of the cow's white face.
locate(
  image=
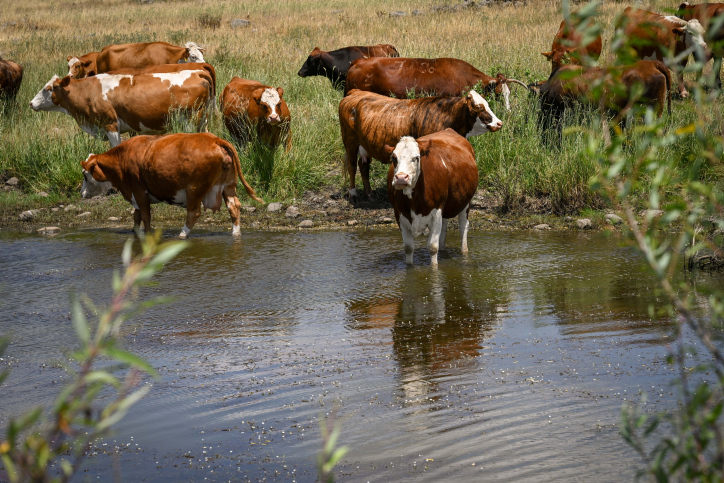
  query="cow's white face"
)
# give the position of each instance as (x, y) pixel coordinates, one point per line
(695, 35)
(195, 52)
(273, 101)
(406, 162)
(486, 121)
(73, 67)
(91, 187)
(43, 101)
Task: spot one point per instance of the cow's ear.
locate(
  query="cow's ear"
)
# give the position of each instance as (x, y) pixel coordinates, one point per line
(69, 57)
(388, 150)
(679, 30)
(547, 55)
(424, 147)
(87, 63)
(91, 165)
(280, 91)
(256, 95)
(65, 81)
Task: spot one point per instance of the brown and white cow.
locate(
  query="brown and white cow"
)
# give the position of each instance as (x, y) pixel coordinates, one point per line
(401, 76)
(650, 36)
(709, 15)
(616, 89)
(432, 178)
(568, 45)
(11, 76)
(107, 105)
(179, 169)
(334, 64)
(370, 121)
(249, 105)
(83, 66)
(114, 57)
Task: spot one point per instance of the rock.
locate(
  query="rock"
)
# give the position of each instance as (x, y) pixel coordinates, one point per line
(292, 212)
(417, 12)
(48, 229)
(84, 214)
(12, 181)
(146, 2)
(27, 215)
(43, 194)
(542, 226)
(255, 224)
(71, 208)
(651, 213)
(352, 222)
(249, 209)
(54, 209)
(398, 13)
(337, 11)
(274, 207)
(306, 224)
(614, 219)
(239, 22)
(385, 220)
(113, 218)
(584, 224)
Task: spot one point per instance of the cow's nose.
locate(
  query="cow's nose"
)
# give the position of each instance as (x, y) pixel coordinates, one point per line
(402, 179)
(496, 126)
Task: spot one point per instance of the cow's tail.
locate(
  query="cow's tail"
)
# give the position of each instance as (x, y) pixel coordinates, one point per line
(237, 166)
(212, 72)
(661, 67)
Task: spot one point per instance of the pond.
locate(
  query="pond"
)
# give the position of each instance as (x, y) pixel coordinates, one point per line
(511, 363)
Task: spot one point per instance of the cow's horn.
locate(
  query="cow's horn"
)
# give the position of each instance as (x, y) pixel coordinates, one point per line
(516, 81)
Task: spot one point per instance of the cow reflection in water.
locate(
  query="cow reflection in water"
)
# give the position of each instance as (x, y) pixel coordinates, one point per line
(439, 322)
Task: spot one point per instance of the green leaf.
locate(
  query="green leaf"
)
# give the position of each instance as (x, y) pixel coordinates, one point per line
(130, 359)
(102, 376)
(121, 409)
(127, 252)
(10, 468)
(80, 324)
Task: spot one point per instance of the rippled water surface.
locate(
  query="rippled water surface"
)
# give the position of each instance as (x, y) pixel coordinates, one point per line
(509, 364)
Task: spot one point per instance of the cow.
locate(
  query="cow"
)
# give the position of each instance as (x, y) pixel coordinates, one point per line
(616, 89)
(709, 15)
(651, 36)
(370, 121)
(83, 66)
(568, 46)
(249, 105)
(334, 64)
(179, 169)
(431, 179)
(107, 105)
(113, 57)
(403, 76)
(11, 76)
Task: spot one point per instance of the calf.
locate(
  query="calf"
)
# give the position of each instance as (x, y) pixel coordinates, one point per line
(11, 76)
(651, 36)
(370, 121)
(248, 105)
(122, 56)
(709, 15)
(83, 66)
(431, 179)
(568, 47)
(107, 105)
(334, 64)
(612, 88)
(179, 169)
(432, 77)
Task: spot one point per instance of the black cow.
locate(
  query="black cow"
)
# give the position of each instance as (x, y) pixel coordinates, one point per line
(334, 64)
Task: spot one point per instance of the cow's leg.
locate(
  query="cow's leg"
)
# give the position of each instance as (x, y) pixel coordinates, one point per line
(193, 211)
(364, 171)
(443, 234)
(142, 204)
(433, 243)
(464, 226)
(407, 238)
(137, 221)
(716, 72)
(680, 83)
(114, 137)
(234, 206)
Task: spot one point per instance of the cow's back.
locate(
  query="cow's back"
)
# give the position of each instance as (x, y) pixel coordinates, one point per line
(114, 57)
(11, 76)
(236, 97)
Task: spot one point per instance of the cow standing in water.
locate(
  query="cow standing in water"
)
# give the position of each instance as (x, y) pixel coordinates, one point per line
(334, 64)
(431, 179)
(179, 169)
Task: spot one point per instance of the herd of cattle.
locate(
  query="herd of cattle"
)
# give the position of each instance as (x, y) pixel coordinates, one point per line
(433, 175)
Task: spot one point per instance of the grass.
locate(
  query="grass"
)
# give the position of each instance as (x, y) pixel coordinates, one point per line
(44, 150)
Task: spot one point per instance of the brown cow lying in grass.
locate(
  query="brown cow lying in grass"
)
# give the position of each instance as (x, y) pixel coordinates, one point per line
(432, 178)
(179, 169)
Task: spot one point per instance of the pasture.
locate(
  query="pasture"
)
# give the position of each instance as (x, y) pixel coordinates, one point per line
(44, 150)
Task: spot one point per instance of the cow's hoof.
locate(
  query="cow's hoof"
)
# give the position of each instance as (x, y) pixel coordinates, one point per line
(183, 235)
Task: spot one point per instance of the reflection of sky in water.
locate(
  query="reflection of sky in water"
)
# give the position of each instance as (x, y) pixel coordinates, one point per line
(516, 358)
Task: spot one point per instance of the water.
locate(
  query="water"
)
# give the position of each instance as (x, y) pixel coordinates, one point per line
(509, 364)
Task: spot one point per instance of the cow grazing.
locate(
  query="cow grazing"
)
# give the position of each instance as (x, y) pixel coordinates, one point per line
(708, 15)
(11, 76)
(249, 105)
(334, 64)
(370, 121)
(107, 105)
(432, 178)
(179, 169)
(568, 46)
(617, 89)
(114, 57)
(83, 66)
(433, 77)
(654, 37)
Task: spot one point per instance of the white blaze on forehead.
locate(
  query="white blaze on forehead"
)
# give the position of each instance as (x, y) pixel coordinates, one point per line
(479, 127)
(110, 82)
(696, 31)
(407, 153)
(271, 98)
(177, 78)
(195, 54)
(72, 61)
